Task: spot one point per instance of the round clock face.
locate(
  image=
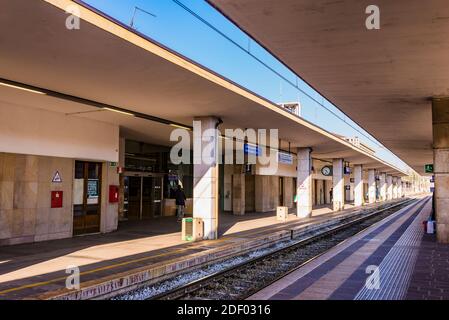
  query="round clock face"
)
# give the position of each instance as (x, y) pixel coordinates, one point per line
(326, 171)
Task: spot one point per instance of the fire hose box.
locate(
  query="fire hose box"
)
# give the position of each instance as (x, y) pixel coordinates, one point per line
(192, 229)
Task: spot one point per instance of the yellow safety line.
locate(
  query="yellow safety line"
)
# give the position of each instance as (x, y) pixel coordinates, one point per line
(38, 284)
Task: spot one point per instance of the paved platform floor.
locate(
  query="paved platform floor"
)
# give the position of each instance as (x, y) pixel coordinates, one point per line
(376, 264)
(33, 269)
(430, 280)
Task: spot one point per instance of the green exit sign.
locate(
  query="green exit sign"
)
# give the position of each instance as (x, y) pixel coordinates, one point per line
(428, 168)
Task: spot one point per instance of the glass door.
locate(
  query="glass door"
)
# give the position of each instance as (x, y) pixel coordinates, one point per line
(147, 197)
(157, 196)
(143, 196)
(87, 197)
(133, 196)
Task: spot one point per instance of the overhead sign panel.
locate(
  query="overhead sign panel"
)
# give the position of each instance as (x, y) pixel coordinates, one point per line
(252, 149)
(284, 157)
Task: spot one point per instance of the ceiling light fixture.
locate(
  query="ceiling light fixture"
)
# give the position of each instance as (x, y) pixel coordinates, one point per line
(119, 111)
(24, 88)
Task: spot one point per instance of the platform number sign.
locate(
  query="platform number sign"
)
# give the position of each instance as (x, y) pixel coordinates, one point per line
(428, 168)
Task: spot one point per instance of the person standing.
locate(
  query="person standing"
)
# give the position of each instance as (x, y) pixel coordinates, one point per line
(180, 202)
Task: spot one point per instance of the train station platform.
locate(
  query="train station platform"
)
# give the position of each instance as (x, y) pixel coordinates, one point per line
(391, 260)
(141, 252)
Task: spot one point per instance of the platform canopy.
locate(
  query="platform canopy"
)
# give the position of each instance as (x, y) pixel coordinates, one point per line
(382, 79)
(108, 63)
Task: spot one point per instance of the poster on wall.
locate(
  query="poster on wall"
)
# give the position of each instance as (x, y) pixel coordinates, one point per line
(93, 191)
(78, 191)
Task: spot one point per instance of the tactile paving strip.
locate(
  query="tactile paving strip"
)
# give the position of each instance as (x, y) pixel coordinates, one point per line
(396, 268)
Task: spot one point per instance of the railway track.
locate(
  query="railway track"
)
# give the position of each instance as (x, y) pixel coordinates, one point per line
(248, 277)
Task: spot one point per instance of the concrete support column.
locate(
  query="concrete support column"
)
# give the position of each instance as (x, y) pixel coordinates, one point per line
(383, 186)
(205, 175)
(395, 187)
(389, 187)
(371, 186)
(304, 183)
(400, 187)
(358, 185)
(440, 121)
(338, 185)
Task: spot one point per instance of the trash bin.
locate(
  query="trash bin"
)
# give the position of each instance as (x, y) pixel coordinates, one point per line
(192, 229)
(430, 227)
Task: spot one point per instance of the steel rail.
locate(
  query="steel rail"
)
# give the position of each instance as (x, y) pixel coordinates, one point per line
(183, 290)
(423, 203)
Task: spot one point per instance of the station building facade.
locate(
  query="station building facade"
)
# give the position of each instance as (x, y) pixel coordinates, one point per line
(58, 173)
(55, 173)
(63, 176)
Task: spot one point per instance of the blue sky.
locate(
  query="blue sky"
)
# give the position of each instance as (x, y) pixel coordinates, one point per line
(178, 29)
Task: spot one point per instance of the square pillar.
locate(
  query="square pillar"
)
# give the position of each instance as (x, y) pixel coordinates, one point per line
(371, 186)
(389, 187)
(304, 183)
(338, 180)
(400, 187)
(395, 187)
(383, 186)
(358, 185)
(205, 175)
(440, 125)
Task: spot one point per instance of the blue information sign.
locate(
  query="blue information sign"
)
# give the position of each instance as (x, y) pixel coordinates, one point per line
(252, 149)
(284, 157)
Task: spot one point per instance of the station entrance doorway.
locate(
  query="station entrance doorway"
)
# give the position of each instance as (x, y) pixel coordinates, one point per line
(87, 198)
(143, 195)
